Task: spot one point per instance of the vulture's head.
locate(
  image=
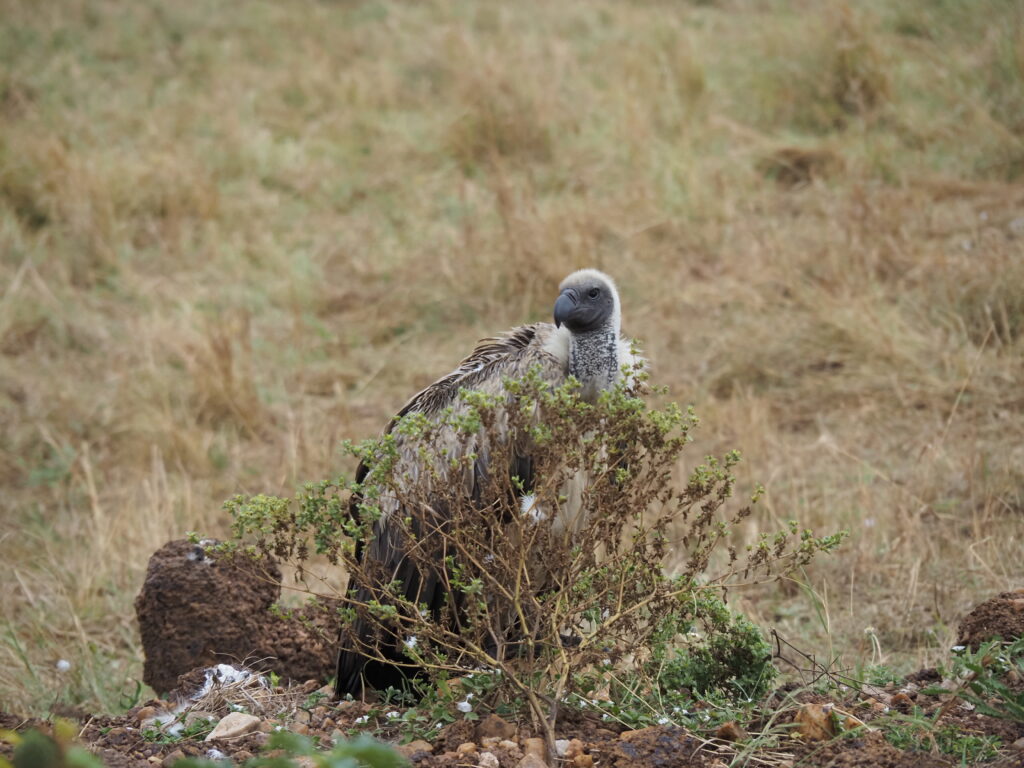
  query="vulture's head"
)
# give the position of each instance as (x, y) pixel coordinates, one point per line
(588, 302)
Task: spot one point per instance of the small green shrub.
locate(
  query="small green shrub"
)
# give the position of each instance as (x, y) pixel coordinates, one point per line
(548, 611)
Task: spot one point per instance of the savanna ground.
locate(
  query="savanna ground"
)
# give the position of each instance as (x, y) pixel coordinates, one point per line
(233, 234)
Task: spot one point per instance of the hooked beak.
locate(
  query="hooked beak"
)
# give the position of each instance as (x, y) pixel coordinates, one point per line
(564, 306)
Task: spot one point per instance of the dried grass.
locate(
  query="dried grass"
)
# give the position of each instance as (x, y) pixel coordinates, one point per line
(228, 240)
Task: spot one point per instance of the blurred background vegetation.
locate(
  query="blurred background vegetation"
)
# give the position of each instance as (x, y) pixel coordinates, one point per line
(234, 233)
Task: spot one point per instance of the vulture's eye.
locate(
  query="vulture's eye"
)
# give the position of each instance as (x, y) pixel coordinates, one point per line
(594, 293)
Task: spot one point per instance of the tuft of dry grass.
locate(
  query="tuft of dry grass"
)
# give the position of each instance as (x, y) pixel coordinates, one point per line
(232, 236)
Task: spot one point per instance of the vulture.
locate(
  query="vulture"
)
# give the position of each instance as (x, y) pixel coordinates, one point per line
(585, 342)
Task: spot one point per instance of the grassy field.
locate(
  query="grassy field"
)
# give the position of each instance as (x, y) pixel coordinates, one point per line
(233, 234)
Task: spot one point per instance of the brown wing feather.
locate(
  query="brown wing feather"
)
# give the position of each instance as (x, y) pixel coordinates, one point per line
(512, 353)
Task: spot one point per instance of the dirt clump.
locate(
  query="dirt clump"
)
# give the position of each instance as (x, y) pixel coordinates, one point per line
(198, 608)
(869, 750)
(1001, 616)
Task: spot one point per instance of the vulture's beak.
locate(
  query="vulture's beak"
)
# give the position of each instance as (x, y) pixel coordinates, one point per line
(564, 306)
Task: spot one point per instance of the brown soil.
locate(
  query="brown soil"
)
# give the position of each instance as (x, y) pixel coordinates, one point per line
(1002, 616)
(197, 609)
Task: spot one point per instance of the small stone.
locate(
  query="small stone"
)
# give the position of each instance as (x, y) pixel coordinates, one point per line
(241, 756)
(233, 725)
(561, 747)
(466, 748)
(531, 760)
(326, 690)
(328, 724)
(300, 728)
(639, 733)
(730, 731)
(418, 747)
(488, 760)
(198, 714)
(494, 726)
(267, 726)
(146, 713)
(301, 716)
(508, 744)
(535, 747)
(815, 722)
(154, 759)
(259, 738)
(172, 758)
(489, 741)
(575, 748)
(339, 735)
(1018, 744)
(583, 761)
(320, 711)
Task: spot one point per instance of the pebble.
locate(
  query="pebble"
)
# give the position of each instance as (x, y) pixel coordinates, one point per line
(531, 760)
(301, 716)
(146, 713)
(575, 749)
(233, 725)
(535, 747)
(198, 714)
(328, 724)
(583, 761)
(561, 747)
(300, 728)
(172, 758)
(410, 749)
(268, 726)
(507, 744)
(1018, 744)
(339, 735)
(467, 747)
(488, 760)
(494, 726)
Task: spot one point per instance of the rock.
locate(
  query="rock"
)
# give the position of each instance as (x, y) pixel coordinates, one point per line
(535, 747)
(815, 722)
(413, 748)
(1002, 616)
(301, 716)
(531, 760)
(508, 744)
(489, 741)
(327, 724)
(1018, 744)
(195, 608)
(494, 726)
(172, 758)
(339, 735)
(146, 713)
(197, 714)
(730, 731)
(465, 748)
(583, 761)
(268, 726)
(659, 745)
(300, 728)
(488, 760)
(234, 725)
(575, 748)
(561, 747)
